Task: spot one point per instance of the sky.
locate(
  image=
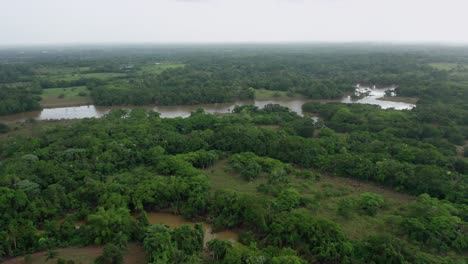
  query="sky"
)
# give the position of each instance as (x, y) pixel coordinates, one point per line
(194, 21)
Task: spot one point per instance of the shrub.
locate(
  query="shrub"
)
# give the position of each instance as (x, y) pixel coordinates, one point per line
(4, 129)
(370, 203)
(111, 254)
(346, 206)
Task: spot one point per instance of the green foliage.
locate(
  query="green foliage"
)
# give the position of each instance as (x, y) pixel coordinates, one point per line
(111, 254)
(81, 183)
(183, 245)
(287, 200)
(51, 254)
(4, 128)
(322, 240)
(251, 166)
(346, 206)
(27, 258)
(370, 203)
(219, 248)
(287, 260)
(18, 99)
(188, 239)
(103, 225)
(434, 223)
(158, 244)
(385, 248)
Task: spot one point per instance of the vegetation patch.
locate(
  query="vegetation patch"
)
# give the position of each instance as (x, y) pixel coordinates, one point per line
(60, 97)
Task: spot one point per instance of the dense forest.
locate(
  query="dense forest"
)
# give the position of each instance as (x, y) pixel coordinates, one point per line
(178, 75)
(360, 185)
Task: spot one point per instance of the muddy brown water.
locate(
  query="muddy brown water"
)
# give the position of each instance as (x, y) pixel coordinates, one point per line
(176, 220)
(88, 111)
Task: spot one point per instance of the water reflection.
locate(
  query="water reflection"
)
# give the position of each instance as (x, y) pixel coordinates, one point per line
(372, 96)
(78, 112)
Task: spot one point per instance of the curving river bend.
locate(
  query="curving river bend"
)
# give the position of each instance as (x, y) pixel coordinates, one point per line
(87, 111)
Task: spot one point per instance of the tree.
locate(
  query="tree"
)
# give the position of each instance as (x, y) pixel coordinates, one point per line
(158, 244)
(385, 248)
(109, 226)
(370, 202)
(219, 248)
(4, 128)
(111, 254)
(346, 207)
(188, 239)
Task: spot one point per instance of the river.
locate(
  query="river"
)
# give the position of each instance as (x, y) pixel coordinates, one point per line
(373, 96)
(87, 111)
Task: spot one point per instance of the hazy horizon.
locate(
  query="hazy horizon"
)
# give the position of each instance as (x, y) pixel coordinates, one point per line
(54, 22)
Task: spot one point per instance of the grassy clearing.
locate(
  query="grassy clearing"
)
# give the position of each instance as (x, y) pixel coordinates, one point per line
(78, 76)
(223, 179)
(74, 73)
(326, 194)
(443, 66)
(60, 97)
(17, 84)
(322, 197)
(458, 72)
(51, 70)
(158, 68)
(34, 129)
(461, 76)
(134, 255)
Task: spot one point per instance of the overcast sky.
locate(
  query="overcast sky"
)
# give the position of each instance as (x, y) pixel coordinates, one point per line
(167, 21)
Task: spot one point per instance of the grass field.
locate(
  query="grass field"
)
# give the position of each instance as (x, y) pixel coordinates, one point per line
(322, 196)
(77, 76)
(459, 74)
(60, 97)
(443, 65)
(158, 68)
(134, 255)
(221, 178)
(51, 70)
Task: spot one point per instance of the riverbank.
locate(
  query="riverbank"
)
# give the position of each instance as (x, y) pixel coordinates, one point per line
(173, 111)
(399, 99)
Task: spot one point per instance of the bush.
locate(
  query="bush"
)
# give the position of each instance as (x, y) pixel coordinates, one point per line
(111, 254)
(370, 203)
(219, 248)
(287, 200)
(346, 206)
(4, 128)
(82, 94)
(247, 237)
(27, 258)
(305, 174)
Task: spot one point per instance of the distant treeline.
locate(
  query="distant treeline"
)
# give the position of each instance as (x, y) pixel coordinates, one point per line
(18, 99)
(225, 73)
